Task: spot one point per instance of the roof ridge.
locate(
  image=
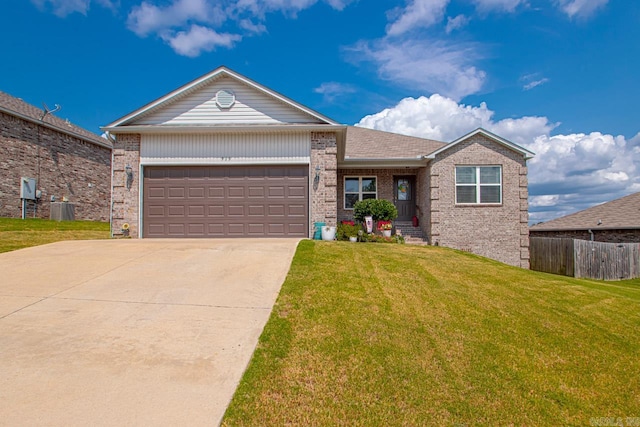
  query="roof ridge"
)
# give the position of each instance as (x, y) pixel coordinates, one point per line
(623, 212)
(18, 107)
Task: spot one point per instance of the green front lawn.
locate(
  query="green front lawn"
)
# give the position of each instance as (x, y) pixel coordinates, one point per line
(379, 335)
(19, 233)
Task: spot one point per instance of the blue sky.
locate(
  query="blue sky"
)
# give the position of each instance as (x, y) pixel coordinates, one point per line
(560, 77)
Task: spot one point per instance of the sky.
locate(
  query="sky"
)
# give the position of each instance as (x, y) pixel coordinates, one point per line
(558, 77)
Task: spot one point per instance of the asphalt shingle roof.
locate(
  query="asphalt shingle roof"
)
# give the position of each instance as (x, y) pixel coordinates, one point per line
(363, 143)
(15, 105)
(623, 213)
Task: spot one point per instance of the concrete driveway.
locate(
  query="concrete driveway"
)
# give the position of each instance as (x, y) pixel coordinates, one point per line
(132, 332)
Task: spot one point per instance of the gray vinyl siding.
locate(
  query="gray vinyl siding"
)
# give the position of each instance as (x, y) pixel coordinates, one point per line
(232, 148)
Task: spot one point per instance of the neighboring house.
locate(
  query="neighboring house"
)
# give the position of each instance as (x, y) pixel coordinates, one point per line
(617, 221)
(224, 156)
(67, 162)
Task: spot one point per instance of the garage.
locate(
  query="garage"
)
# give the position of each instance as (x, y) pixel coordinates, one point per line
(226, 201)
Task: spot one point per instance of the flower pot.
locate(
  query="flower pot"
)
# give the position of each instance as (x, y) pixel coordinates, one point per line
(328, 233)
(353, 239)
(386, 233)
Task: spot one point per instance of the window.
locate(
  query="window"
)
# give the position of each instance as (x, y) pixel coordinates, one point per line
(479, 184)
(358, 188)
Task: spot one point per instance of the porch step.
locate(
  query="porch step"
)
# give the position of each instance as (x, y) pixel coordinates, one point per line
(411, 234)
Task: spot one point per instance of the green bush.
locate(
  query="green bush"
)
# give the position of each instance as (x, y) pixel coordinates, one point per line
(379, 209)
(375, 238)
(344, 231)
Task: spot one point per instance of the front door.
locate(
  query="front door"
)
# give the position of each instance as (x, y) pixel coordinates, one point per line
(404, 197)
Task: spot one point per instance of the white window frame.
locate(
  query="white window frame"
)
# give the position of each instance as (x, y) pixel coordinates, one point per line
(478, 185)
(360, 192)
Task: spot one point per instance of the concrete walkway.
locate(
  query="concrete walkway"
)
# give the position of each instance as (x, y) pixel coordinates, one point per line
(132, 332)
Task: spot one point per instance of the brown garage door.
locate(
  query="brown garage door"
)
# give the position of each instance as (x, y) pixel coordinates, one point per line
(233, 201)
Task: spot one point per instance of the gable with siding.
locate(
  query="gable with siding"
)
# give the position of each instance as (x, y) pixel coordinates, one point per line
(195, 105)
(250, 107)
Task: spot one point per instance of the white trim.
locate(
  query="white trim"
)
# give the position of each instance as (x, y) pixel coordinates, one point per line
(141, 196)
(477, 185)
(523, 151)
(140, 201)
(219, 161)
(111, 195)
(382, 163)
(162, 129)
(360, 192)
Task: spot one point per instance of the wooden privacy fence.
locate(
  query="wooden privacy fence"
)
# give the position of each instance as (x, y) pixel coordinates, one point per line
(585, 259)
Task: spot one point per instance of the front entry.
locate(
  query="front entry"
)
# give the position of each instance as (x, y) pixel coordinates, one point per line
(404, 197)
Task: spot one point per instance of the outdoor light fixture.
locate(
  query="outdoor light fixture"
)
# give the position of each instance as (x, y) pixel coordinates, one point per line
(317, 177)
(129, 172)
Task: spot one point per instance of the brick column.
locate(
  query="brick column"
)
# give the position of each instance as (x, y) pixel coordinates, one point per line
(126, 199)
(324, 192)
(524, 218)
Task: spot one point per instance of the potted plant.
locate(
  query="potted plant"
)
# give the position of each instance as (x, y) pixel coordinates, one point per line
(385, 227)
(348, 230)
(328, 233)
(125, 229)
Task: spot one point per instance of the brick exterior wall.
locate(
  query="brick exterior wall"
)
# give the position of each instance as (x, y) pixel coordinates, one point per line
(498, 232)
(126, 201)
(384, 185)
(63, 166)
(323, 192)
(423, 201)
(606, 236)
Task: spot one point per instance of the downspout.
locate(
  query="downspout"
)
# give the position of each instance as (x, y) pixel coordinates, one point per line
(113, 142)
(591, 232)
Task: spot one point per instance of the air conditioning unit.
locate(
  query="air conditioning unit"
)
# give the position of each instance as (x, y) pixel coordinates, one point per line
(62, 211)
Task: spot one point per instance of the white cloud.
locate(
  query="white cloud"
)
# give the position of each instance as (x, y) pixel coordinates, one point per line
(260, 8)
(63, 8)
(149, 18)
(431, 66)
(581, 8)
(191, 27)
(200, 39)
(339, 4)
(485, 6)
(441, 118)
(251, 27)
(546, 200)
(456, 23)
(568, 173)
(334, 90)
(535, 83)
(417, 14)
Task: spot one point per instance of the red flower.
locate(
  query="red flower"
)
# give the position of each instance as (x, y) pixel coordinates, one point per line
(384, 225)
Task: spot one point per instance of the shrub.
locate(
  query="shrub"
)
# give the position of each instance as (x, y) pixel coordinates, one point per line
(346, 230)
(374, 238)
(379, 209)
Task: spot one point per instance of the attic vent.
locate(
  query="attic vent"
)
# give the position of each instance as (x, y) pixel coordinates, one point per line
(225, 98)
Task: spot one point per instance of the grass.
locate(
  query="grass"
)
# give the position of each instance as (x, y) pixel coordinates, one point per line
(378, 335)
(18, 233)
